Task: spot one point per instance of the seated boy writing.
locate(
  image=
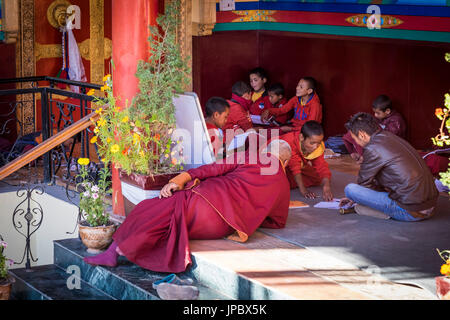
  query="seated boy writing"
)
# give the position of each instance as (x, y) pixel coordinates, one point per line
(306, 106)
(307, 166)
(388, 118)
(216, 110)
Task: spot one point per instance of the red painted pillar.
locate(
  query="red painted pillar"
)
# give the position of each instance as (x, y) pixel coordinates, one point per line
(130, 21)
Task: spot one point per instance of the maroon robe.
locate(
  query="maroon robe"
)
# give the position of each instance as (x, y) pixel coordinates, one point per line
(221, 199)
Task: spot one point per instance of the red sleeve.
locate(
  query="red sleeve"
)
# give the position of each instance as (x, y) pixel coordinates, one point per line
(295, 163)
(321, 167)
(275, 220)
(315, 112)
(286, 108)
(243, 120)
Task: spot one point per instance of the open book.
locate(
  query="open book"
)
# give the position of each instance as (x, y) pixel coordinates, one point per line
(297, 204)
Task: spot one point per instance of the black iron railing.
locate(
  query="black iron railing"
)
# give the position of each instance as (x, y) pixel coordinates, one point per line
(55, 115)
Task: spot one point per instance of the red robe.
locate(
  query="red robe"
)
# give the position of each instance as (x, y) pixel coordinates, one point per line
(216, 138)
(313, 167)
(238, 118)
(258, 105)
(312, 110)
(221, 199)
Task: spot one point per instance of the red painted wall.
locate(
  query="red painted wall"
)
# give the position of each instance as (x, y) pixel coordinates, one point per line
(7, 70)
(350, 72)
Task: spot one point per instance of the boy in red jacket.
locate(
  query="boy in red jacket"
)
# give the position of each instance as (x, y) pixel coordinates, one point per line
(306, 106)
(239, 117)
(258, 80)
(216, 110)
(307, 166)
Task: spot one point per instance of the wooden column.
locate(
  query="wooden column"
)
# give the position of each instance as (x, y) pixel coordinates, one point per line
(130, 21)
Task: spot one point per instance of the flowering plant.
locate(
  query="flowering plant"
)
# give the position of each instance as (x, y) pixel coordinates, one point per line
(443, 138)
(4, 262)
(138, 138)
(445, 268)
(92, 197)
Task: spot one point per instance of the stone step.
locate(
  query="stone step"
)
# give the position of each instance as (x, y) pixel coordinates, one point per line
(50, 282)
(127, 281)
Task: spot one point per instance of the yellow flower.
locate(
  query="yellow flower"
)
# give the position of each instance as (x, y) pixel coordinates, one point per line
(96, 130)
(106, 78)
(91, 92)
(99, 110)
(105, 87)
(101, 122)
(136, 138)
(94, 139)
(142, 153)
(116, 109)
(445, 269)
(115, 148)
(83, 161)
(108, 140)
(125, 119)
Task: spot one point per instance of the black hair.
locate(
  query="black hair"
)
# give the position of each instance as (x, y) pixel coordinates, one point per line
(276, 88)
(215, 104)
(312, 83)
(362, 121)
(260, 72)
(382, 102)
(240, 88)
(311, 128)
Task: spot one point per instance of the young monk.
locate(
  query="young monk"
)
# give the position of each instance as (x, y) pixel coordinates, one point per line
(388, 119)
(276, 99)
(307, 166)
(216, 111)
(258, 80)
(306, 106)
(239, 117)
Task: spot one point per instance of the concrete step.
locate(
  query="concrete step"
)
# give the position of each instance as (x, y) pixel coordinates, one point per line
(127, 281)
(49, 282)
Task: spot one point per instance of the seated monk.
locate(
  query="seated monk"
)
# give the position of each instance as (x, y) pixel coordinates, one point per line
(307, 166)
(232, 197)
(393, 181)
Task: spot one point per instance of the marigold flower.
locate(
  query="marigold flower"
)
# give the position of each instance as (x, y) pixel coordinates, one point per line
(83, 161)
(99, 110)
(101, 122)
(106, 77)
(157, 136)
(439, 112)
(445, 269)
(94, 139)
(90, 92)
(125, 151)
(108, 140)
(115, 148)
(125, 119)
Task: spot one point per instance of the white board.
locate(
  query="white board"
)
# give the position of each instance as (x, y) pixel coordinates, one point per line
(191, 125)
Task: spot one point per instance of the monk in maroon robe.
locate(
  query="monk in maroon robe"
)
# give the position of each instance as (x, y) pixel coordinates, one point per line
(227, 198)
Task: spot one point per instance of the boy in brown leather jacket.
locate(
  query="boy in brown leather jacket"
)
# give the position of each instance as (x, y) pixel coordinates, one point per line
(393, 179)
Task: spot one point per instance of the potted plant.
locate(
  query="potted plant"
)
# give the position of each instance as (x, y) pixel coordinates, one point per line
(95, 227)
(443, 282)
(137, 139)
(5, 279)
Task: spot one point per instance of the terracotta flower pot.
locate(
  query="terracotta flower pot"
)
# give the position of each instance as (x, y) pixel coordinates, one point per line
(5, 289)
(96, 239)
(443, 287)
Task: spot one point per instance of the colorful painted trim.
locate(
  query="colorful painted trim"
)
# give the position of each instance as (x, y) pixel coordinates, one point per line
(362, 20)
(336, 30)
(349, 8)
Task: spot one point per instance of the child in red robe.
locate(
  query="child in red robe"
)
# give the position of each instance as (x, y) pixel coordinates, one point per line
(276, 99)
(227, 198)
(216, 111)
(388, 118)
(258, 80)
(239, 117)
(307, 166)
(306, 105)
